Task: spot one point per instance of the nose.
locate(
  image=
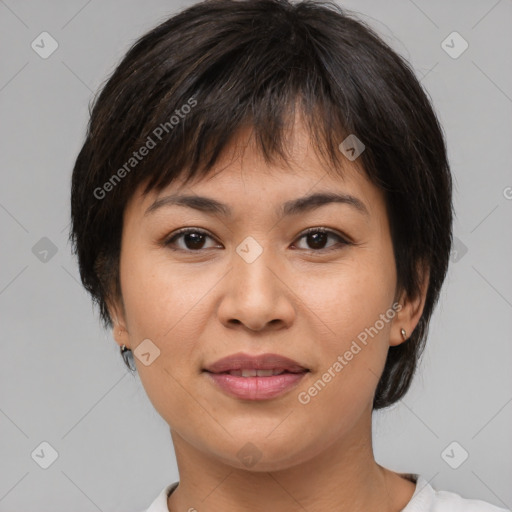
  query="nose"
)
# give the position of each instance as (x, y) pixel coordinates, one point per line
(256, 295)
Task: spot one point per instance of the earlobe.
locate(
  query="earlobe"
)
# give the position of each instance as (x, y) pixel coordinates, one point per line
(410, 313)
(120, 335)
(398, 333)
(119, 331)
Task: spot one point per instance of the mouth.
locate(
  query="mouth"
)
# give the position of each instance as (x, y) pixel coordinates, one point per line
(260, 377)
(251, 372)
(262, 365)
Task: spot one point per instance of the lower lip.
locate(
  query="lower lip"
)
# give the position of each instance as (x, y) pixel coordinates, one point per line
(256, 388)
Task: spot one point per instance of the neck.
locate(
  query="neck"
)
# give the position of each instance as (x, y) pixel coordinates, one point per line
(343, 476)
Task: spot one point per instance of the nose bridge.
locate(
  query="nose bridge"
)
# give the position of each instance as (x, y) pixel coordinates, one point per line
(252, 265)
(255, 296)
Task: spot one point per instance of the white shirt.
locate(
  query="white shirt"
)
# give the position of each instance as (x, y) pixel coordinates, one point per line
(424, 499)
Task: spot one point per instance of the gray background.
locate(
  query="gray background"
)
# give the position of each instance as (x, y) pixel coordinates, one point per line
(62, 380)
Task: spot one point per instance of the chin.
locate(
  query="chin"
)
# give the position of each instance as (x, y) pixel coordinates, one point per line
(261, 454)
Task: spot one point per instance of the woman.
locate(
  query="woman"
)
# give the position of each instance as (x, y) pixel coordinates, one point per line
(262, 211)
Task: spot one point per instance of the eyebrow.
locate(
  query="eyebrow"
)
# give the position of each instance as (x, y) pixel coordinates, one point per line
(292, 207)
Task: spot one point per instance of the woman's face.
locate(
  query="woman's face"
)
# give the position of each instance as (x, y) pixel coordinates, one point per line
(253, 283)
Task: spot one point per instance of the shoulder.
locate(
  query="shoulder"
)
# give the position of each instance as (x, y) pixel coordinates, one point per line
(427, 499)
(449, 501)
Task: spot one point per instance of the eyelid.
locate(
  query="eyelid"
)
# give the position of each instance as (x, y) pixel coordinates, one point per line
(183, 231)
(320, 229)
(343, 239)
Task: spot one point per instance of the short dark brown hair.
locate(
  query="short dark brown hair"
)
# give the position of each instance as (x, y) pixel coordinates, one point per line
(185, 89)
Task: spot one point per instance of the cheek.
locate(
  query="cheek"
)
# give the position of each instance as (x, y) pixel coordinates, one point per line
(166, 303)
(153, 292)
(352, 308)
(350, 296)
(351, 359)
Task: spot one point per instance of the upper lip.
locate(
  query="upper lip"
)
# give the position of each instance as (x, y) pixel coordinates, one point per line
(243, 361)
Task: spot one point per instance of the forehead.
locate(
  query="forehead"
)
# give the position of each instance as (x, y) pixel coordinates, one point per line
(243, 178)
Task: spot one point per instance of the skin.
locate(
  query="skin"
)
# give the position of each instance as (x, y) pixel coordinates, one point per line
(199, 305)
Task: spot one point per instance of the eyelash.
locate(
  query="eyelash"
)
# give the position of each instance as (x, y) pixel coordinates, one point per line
(169, 241)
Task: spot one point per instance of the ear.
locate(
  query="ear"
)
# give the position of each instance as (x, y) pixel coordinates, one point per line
(409, 310)
(119, 327)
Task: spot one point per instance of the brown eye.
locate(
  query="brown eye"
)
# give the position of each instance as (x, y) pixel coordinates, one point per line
(317, 238)
(193, 239)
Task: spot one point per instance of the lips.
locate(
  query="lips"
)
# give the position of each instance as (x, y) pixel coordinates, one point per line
(261, 377)
(264, 365)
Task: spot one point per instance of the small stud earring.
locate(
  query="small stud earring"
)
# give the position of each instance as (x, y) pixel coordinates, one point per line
(403, 333)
